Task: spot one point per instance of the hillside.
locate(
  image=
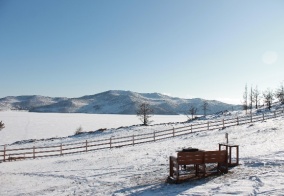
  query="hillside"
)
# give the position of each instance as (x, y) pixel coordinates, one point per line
(143, 169)
(111, 102)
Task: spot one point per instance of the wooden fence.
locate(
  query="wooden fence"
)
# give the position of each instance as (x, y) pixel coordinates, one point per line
(10, 154)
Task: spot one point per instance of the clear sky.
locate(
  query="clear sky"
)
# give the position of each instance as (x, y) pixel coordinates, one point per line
(185, 48)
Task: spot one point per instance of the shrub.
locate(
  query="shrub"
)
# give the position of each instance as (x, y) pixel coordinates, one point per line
(2, 125)
(79, 130)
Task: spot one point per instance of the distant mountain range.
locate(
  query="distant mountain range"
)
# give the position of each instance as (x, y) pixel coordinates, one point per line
(111, 102)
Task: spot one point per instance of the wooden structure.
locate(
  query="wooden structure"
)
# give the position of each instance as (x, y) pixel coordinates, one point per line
(192, 164)
(229, 148)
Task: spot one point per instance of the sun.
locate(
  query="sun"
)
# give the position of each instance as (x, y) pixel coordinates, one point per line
(269, 57)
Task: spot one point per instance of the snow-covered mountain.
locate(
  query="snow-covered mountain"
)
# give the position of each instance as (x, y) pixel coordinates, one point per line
(111, 102)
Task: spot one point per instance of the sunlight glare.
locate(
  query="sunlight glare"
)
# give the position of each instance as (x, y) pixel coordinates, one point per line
(269, 57)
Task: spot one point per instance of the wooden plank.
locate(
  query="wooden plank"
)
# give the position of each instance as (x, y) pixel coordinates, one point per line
(47, 151)
(186, 158)
(215, 156)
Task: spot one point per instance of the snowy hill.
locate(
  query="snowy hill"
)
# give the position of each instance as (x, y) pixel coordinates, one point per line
(110, 102)
(27, 102)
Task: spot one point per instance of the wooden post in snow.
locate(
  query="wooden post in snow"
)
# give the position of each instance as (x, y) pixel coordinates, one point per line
(227, 137)
(34, 152)
(173, 132)
(133, 139)
(86, 145)
(154, 136)
(237, 120)
(191, 128)
(61, 149)
(263, 116)
(4, 159)
(223, 123)
(110, 142)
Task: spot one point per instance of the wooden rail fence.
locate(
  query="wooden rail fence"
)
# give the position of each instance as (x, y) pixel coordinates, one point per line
(10, 154)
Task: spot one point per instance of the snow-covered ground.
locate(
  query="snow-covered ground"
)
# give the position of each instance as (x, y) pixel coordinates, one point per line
(28, 125)
(143, 169)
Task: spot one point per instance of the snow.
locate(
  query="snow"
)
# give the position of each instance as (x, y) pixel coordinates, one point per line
(143, 169)
(29, 125)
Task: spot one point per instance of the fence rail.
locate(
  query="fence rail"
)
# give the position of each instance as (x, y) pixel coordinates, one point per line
(10, 154)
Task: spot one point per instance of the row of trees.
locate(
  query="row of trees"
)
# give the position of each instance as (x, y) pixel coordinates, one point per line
(254, 96)
(144, 111)
(193, 110)
(251, 99)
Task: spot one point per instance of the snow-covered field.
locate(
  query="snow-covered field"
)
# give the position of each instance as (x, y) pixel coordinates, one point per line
(28, 125)
(143, 169)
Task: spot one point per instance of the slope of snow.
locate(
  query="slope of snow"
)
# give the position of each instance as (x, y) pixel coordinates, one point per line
(143, 169)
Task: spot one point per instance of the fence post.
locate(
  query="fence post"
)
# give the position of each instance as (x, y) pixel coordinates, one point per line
(154, 136)
(191, 128)
(110, 142)
(208, 125)
(4, 153)
(274, 114)
(86, 145)
(133, 140)
(237, 120)
(61, 149)
(34, 152)
(263, 116)
(223, 123)
(173, 132)
(251, 117)
(227, 137)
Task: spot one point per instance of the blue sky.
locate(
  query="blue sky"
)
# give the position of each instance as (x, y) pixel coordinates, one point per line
(193, 48)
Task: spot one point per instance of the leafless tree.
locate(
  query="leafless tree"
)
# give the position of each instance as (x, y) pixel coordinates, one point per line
(268, 98)
(280, 94)
(245, 99)
(143, 112)
(192, 111)
(256, 95)
(2, 125)
(251, 99)
(205, 107)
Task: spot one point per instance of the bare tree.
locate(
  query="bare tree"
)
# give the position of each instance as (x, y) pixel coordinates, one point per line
(245, 99)
(205, 107)
(280, 94)
(251, 99)
(268, 98)
(2, 125)
(256, 96)
(192, 111)
(144, 112)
